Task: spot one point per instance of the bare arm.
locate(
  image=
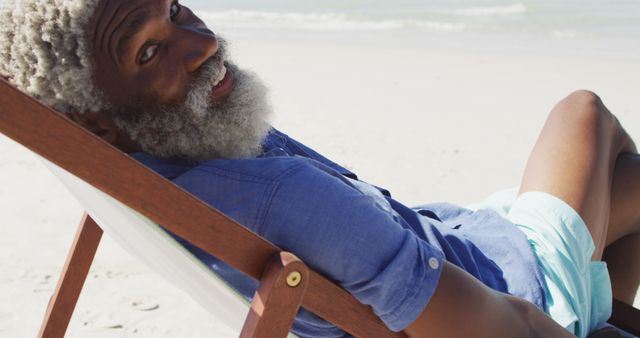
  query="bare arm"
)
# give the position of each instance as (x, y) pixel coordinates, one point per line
(464, 307)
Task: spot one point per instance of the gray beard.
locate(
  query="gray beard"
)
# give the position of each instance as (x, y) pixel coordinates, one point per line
(198, 130)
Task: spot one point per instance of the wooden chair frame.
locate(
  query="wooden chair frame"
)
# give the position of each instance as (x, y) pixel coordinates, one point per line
(285, 282)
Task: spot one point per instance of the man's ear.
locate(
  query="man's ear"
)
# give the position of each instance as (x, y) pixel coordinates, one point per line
(8, 78)
(100, 124)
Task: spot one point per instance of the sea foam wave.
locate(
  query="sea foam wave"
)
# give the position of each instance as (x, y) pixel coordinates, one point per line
(517, 8)
(321, 21)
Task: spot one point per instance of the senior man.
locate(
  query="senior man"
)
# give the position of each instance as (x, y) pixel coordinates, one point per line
(149, 77)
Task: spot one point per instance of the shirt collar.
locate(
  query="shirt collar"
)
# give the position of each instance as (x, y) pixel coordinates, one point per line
(167, 167)
(175, 166)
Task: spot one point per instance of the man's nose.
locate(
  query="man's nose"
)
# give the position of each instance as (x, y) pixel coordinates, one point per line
(198, 46)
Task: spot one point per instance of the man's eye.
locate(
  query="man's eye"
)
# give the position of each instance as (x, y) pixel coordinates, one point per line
(148, 54)
(174, 10)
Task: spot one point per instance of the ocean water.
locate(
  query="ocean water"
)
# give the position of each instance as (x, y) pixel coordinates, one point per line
(605, 24)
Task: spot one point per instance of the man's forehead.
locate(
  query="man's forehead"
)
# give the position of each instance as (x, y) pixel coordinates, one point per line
(117, 21)
(115, 5)
(110, 14)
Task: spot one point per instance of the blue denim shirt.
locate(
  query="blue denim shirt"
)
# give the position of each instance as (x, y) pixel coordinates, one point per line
(389, 256)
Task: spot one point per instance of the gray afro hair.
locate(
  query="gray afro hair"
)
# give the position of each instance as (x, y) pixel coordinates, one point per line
(45, 51)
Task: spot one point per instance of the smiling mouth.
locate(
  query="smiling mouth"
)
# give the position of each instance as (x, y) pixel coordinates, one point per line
(223, 86)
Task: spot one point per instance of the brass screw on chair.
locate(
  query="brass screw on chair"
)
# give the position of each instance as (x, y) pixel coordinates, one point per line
(294, 278)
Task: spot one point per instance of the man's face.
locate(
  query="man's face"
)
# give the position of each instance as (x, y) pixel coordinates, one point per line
(170, 84)
(150, 47)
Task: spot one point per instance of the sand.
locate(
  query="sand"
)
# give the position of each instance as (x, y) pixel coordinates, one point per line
(430, 124)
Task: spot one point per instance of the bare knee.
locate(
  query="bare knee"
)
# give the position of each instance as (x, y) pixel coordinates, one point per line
(584, 97)
(585, 112)
(585, 108)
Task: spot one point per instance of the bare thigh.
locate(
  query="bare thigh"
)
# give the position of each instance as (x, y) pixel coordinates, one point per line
(574, 160)
(625, 198)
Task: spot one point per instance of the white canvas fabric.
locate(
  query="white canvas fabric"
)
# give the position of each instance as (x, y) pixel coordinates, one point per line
(146, 241)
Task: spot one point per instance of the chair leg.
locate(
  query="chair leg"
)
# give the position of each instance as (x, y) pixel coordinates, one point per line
(277, 299)
(74, 273)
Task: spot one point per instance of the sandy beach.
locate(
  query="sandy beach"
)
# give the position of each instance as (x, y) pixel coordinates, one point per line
(430, 124)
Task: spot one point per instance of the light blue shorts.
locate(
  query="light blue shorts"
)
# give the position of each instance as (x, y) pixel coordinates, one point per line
(578, 291)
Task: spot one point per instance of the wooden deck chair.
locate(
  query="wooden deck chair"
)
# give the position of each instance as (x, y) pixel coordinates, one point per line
(115, 190)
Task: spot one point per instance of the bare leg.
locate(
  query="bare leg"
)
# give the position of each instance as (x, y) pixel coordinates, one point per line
(577, 158)
(622, 253)
(624, 267)
(625, 198)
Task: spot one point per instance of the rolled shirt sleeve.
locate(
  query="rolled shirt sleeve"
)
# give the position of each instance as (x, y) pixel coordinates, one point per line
(351, 237)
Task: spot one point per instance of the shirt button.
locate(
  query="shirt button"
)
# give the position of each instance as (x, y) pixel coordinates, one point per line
(433, 263)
